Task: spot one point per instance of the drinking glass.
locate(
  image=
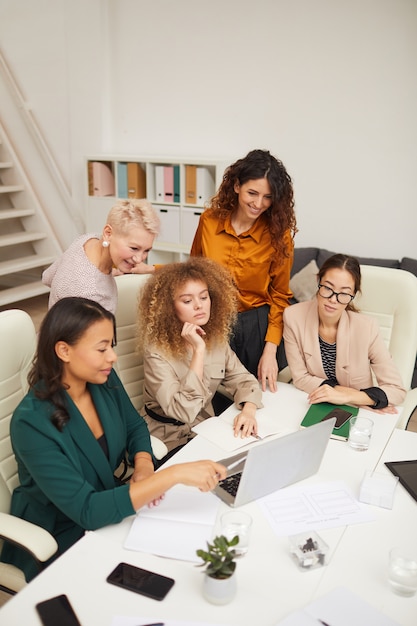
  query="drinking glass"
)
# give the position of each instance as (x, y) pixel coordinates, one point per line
(402, 572)
(237, 523)
(360, 430)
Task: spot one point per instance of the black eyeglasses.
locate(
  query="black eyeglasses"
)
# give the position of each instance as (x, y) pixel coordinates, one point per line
(327, 292)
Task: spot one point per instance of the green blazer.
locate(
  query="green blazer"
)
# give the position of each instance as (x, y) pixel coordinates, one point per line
(66, 481)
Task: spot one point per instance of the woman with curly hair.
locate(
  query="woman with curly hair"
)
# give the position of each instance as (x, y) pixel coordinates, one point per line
(249, 228)
(186, 314)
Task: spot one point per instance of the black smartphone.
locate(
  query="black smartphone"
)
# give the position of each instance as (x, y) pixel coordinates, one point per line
(341, 415)
(141, 581)
(56, 611)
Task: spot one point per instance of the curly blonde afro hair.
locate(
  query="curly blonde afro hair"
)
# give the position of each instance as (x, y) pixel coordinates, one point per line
(158, 324)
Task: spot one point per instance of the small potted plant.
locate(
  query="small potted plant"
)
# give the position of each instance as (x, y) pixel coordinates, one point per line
(219, 586)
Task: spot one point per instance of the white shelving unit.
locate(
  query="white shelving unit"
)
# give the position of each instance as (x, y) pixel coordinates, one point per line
(195, 181)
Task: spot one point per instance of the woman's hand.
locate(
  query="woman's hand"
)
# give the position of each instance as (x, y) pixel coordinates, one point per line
(245, 423)
(202, 474)
(343, 395)
(327, 393)
(268, 367)
(142, 268)
(193, 335)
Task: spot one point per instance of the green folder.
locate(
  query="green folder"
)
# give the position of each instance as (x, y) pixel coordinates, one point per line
(177, 197)
(317, 412)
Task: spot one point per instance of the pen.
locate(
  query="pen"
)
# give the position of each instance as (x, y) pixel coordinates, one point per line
(323, 623)
(153, 624)
(232, 465)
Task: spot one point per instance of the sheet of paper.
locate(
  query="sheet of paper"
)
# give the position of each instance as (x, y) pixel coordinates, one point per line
(339, 607)
(301, 508)
(220, 432)
(180, 525)
(219, 429)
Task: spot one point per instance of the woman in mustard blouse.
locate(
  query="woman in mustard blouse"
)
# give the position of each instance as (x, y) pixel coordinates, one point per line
(249, 228)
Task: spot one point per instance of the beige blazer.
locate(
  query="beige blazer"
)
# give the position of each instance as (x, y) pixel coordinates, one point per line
(172, 390)
(360, 352)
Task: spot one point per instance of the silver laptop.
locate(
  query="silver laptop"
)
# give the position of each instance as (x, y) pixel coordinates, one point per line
(275, 464)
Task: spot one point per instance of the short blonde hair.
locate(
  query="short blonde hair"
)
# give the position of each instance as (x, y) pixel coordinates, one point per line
(127, 213)
(158, 324)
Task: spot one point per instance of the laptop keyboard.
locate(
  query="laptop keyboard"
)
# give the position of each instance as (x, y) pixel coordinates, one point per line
(231, 483)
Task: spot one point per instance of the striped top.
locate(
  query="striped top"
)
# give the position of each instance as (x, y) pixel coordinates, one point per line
(328, 357)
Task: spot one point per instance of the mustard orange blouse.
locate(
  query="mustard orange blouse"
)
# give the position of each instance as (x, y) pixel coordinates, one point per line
(261, 276)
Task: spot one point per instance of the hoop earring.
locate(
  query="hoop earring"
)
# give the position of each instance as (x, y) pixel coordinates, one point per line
(105, 244)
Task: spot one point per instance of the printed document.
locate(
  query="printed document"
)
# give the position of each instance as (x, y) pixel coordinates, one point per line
(300, 508)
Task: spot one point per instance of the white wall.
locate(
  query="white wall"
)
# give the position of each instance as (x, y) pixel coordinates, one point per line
(329, 86)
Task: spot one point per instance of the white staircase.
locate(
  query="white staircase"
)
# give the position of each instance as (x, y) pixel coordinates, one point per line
(27, 241)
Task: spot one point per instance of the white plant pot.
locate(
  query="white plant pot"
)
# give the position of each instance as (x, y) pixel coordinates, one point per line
(219, 591)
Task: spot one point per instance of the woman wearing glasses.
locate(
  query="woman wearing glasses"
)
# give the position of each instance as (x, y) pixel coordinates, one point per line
(333, 350)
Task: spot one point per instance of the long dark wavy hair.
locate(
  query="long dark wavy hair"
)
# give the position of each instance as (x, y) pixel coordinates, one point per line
(67, 321)
(280, 215)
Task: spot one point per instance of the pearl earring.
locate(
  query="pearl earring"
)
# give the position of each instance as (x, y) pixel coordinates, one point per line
(105, 244)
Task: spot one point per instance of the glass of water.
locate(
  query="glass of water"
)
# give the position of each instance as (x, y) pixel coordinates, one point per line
(402, 572)
(360, 431)
(237, 523)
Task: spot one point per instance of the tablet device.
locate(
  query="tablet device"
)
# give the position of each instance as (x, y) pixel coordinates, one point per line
(407, 474)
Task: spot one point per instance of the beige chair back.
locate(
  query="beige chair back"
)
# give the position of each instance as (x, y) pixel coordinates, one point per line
(18, 343)
(129, 364)
(390, 295)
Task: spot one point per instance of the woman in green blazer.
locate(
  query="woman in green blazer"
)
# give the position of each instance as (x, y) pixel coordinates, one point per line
(72, 430)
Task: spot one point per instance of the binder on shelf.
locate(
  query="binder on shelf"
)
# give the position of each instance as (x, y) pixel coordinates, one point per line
(100, 179)
(168, 183)
(191, 184)
(205, 185)
(159, 183)
(177, 196)
(317, 412)
(136, 181)
(122, 180)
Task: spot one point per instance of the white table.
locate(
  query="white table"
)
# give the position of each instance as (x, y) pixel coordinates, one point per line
(361, 559)
(269, 584)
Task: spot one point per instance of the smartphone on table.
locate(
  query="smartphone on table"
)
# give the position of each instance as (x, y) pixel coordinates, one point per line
(141, 581)
(341, 415)
(57, 611)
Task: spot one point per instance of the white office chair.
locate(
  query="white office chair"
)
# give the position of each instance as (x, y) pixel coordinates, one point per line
(18, 342)
(129, 365)
(390, 295)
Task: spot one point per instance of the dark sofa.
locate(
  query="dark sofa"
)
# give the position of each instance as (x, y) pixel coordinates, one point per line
(303, 256)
